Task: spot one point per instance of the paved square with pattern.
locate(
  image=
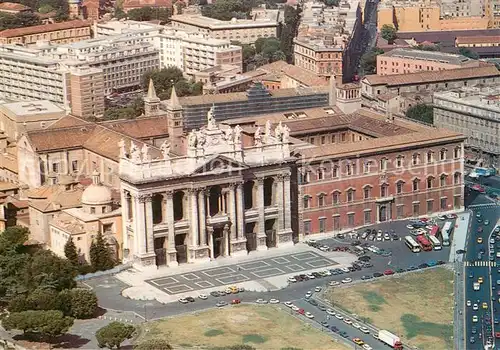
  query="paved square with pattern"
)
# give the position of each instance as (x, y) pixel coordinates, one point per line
(246, 271)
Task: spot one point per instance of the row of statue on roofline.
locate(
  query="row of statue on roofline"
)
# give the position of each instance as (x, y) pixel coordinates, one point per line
(198, 139)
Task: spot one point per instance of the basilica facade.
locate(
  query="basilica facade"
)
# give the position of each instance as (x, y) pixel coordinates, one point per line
(218, 191)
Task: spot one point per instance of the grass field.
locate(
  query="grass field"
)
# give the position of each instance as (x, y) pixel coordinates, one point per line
(263, 327)
(417, 306)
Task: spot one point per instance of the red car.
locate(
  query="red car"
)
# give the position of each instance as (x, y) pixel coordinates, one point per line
(497, 334)
(236, 301)
(424, 219)
(478, 188)
(388, 272)
(301, 311)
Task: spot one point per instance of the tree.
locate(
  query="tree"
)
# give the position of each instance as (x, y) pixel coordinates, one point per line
(468, 53)
(153, 344)
(48, 324)
(388, 32)
(83, 303)
(18, 303)
(368, 62)
(71, 253)
(45, 9)
(43, 299)
(421, 112)
(147, 14)
(225, 10)
(13, 238)
(114, 334)
(100, 255)
(163, 80)
(290, 30)
(48, 270)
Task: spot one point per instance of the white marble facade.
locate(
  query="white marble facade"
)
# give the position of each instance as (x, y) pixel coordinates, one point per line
(219, 199)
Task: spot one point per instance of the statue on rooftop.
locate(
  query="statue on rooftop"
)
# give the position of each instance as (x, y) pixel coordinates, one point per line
(211, 123)
(286, 134)
(237, 134)
(228, 134)
(192, 139)
(135, 152)
(145, 152)
(278, 132)
(268, 130)
(165, 149)
(257, 137)
(123, 151)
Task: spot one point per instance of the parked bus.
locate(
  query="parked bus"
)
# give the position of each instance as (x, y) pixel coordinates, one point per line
(435, 242)
(434, 231)
(446, 232)
(411, 244)
(424, 243)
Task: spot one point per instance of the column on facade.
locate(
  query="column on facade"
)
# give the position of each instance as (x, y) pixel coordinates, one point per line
(287, 202)
(210, 231)
(193, 222)
(169, 205)
(125, 219)
(240, 216)
(47, 168)
(68, 170)
(279, 201)
(260, 205)
(140, 224)
(148, 203)
(232, 211)
(202, 217)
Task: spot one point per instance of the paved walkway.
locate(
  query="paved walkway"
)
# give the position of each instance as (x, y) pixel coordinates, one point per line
(460, 236)
(259, 271)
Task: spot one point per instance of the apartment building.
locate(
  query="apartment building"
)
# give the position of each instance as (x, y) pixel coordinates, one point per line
(57, 33)
(402, 61)
(243, 30)
(188, 51)
(474, 113)
(418, 16)
(26, 75)
(322, 56)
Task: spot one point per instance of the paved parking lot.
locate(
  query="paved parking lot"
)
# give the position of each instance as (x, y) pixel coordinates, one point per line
(246, 271)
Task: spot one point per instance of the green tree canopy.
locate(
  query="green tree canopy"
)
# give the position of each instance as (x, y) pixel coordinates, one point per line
(83, 303)
(290, 30)
(13, 238)
(388, 32)
(48, 270)
(468, 53)
(18, 20)
(100, 254)
(147, 14)
(43, 299)
(368, 62)
(71, 253)
(48, 324)
(421, 112)
(114, 334)
(153, 344)
(225, 10)
(163, 80)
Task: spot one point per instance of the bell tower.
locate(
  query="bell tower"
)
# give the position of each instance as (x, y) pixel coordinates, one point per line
(151, 101)
(174, 115)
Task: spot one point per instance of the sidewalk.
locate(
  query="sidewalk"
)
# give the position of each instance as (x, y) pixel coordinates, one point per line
(460, 236)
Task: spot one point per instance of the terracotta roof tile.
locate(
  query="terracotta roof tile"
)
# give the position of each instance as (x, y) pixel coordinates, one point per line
(478, 39)
(68, 121)
(53, 139)
(130, 4)
(383, 144)
(140, 127)
(12, 6)
(44, 28)
(280, 68)
(432, 76)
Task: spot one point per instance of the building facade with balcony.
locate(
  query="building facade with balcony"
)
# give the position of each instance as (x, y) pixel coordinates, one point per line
(227, 194)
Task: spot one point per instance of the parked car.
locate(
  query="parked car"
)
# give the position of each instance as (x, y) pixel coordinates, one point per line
(388, 272)
(235, 301)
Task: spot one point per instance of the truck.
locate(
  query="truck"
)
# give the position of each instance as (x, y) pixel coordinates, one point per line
(390, 339)
(477, 172)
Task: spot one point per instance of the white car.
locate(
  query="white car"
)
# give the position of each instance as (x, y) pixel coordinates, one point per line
(261, 301)
(379, 236)
(347, 321)
(183, 301)
(308, 294)
(310, 276)
(364, 330)
(312, 241)
(228, 291)
(345, 269)
(274, 301)
(492, 240)
(474, 319)
(339, 316)
(469, 303)
(317, 289)
(291, 279)
(309, 315)
(475, 307)
(333, 283)
(203, 296)
(387, 237)
(330, 312)
(295, 308)
(288, 303)
(367, 347)
(410, 227)
(324, 248)
(356, 325)
(347, 280)
(442, 217)
(326, 273)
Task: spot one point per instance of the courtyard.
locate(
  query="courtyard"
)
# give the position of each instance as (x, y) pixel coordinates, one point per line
(241, 272)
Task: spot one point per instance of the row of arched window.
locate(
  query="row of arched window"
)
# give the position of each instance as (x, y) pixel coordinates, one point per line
(367, 193)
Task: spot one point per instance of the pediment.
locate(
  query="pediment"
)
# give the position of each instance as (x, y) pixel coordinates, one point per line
(219, 165)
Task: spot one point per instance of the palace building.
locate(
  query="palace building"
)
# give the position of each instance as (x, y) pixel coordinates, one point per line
(222, 193)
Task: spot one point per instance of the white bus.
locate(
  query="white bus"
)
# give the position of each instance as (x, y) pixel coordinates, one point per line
(412, 244)
(446, 232)
(435, 242)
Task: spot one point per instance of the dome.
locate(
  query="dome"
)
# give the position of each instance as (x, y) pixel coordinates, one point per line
(96, 195)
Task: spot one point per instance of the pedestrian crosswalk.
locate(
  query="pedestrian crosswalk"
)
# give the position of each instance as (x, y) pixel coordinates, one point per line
(481, 263)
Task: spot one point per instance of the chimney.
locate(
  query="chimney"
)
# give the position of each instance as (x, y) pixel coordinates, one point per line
(332, 97)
